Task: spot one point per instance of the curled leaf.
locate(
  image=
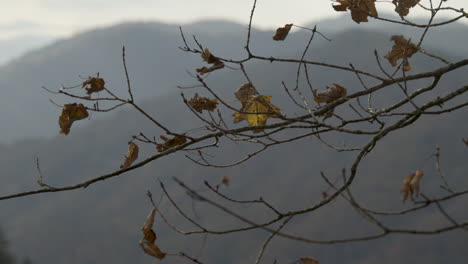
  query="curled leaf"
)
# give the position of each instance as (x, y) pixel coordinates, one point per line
(147, 227)
(201, 103)
(225, 180)
(410, 187)
(282, 32)
(71, 113)
(402, 7)
(170, 142)
(402, 49)
(149, 237)
(330, 94)
(93, 84)
(308, 260)
(132, 155)
(360, 9)
(210, 59)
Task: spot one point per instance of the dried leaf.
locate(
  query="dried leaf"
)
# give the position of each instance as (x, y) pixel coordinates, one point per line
(360, 9)
(282, 32)
(261, 110)
(410, 187)
(149, 237)
(308, 260)
(465, 141)
(246, 93)
(170, 143)
(201, 103)
(330, 94)
(132, 155)
(402, 7)
(93, 84)
(225, 180)
(147, 227)
(210, 59)
(71, 113)
(402, 49)
(152, 250)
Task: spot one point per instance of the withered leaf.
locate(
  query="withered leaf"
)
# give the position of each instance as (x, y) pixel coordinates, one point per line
(402, 7)
(330, 94)
(149, 237)
(402, 49)
(308, 260)
(132, 155)
(147, 227)
(259, 109)
(465, 141)
(202, 103)
(225, 180)
(246, 93)
(210, 59)
(171, 142)
(71, 113)
(410, 187)
(282, 32)
(93, 84)
(360, 9)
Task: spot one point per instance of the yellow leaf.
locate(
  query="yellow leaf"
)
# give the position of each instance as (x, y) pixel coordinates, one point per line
(259, 104)
(402, 49)
(410, 187)
(71, 113)
(132, 155)
(93, 84)
(170, 143)
(282, 32)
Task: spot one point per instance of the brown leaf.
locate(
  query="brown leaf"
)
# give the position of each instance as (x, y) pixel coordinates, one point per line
(308, 260)
(410, 187)
(330, 94)
(402, 7)
(225, 180)
(149, 237)
(71, 113)
(93, 84)
(402, 49)
(246, 93)
(170, 143)
(201, 103)
(132, 155)
(215, 67)
(282, 32)
(465, 141)
(152, 250)
(360, 9)
(210, 59)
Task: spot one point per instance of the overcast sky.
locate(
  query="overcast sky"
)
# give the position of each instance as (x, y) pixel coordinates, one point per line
(65, 17)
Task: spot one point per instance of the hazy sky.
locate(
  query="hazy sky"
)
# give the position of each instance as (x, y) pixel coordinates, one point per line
(65, 17)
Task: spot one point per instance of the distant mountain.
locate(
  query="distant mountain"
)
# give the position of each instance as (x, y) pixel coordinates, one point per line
(100, 224)
(18, 46)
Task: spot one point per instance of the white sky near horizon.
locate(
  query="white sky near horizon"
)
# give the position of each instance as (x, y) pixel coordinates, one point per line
(61, 18)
